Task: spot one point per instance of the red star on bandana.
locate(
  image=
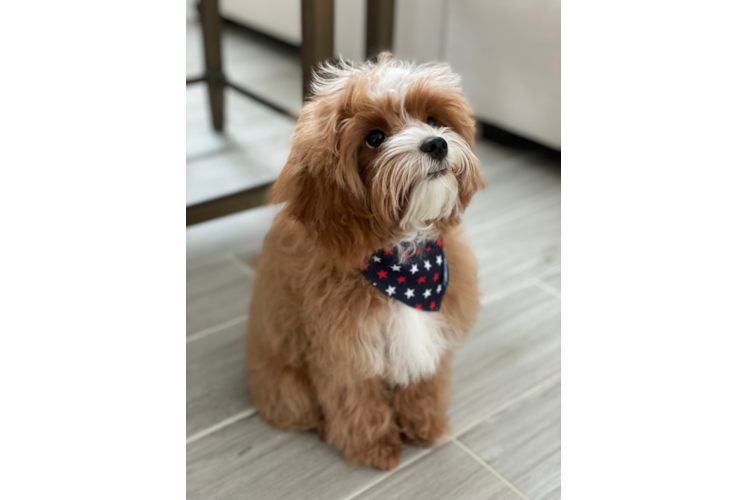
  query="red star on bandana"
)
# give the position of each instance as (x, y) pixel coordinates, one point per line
(401, 279)
(418, 251)
(382, 274)
(422, 280)
(388, 251)
(436, 277)
(439, 242)
(364, 267)
(433, 305)
(418, 307)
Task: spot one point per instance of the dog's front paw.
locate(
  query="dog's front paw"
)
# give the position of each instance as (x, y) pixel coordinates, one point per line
(424, 429)
(384, 454)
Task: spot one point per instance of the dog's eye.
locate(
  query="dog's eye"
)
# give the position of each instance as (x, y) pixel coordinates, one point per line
(430, 120)
(375, 139)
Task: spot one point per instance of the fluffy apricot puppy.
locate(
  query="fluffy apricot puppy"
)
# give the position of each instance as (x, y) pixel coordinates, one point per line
(364, 285)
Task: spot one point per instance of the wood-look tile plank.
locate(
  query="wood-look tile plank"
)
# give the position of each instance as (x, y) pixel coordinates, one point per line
(233, 171)
(491, 153)
(514, 347)
(446, 473)
(193, 42)
(283, 87)
(524, 309)
(512, 253)
(243, 114)
(211, 276)
(243, 230)
(513, 183)
(554, 280)
(250, 459)
(249, 257)
(248, 126)
(216, 378)
(219, 305)
(513, 225)
(251, 150)
(523, 443)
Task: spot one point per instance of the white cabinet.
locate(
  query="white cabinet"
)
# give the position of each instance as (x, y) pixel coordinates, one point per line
(509, 55)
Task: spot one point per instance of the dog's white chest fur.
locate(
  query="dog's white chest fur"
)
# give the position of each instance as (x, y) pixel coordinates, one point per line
(406, 345)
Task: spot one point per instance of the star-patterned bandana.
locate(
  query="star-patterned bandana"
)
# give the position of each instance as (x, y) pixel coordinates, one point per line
(420, 281)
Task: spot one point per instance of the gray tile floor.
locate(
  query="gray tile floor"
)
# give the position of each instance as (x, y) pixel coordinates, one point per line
(505, 409)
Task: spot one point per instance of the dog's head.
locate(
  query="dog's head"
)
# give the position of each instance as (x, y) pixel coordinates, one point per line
(383, 152)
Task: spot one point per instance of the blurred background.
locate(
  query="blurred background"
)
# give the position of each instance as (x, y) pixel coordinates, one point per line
(248, 63)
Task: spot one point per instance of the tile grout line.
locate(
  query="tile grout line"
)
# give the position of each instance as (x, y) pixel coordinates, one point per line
(241, 265)
(217, 328)
(220, 425)
(389, 473)
(533, 390)
(490, 469)
(548, 288)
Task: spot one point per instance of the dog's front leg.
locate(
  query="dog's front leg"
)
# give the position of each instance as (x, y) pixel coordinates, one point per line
(421, 407)
(357, 418)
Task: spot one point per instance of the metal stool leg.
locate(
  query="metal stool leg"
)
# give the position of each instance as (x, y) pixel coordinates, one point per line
(379, 26)
(317, 26)
(211, 24)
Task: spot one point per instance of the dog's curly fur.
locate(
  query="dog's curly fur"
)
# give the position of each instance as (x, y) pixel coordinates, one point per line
(320, 352)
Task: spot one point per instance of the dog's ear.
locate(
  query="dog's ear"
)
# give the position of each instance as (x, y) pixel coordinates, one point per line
(323, 189)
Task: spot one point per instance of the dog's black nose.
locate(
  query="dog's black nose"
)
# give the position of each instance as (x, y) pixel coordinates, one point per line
(436, 147)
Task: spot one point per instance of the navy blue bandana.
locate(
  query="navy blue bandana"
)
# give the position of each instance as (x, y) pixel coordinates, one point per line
(420, 281)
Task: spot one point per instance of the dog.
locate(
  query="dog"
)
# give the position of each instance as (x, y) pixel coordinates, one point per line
(365, 285)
